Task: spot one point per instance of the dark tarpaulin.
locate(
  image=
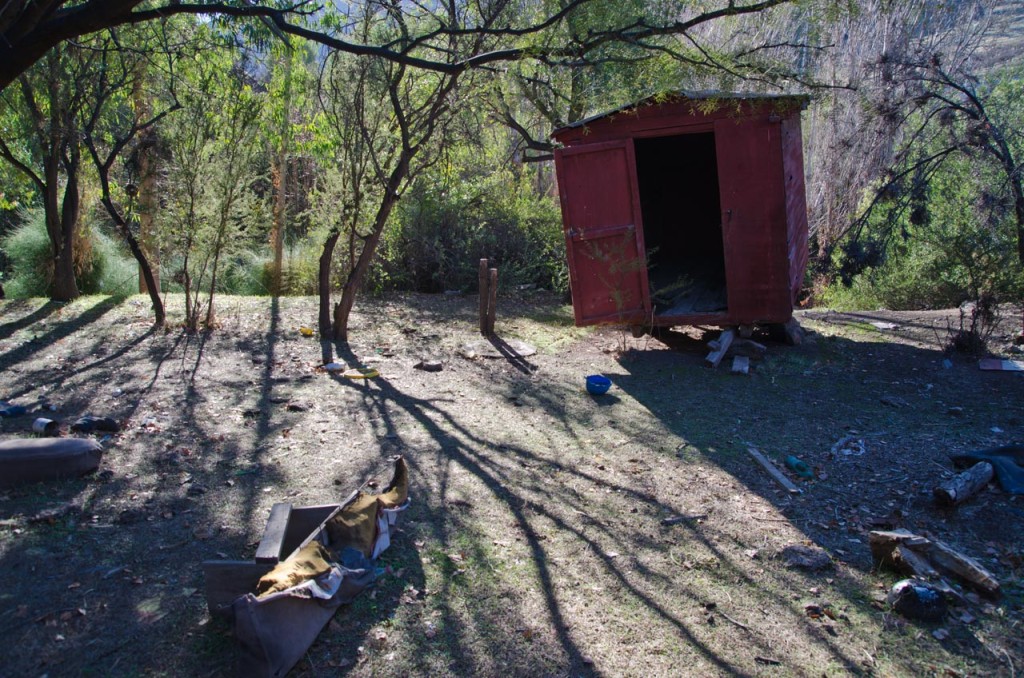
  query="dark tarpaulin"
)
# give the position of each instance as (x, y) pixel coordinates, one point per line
(1007, 461)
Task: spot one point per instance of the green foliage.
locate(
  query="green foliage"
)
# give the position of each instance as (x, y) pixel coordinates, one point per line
(104, 270)
(445, 227)
(962, 248)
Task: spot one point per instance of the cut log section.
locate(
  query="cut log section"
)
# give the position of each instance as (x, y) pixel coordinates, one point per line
(929, 559)
(962, 487)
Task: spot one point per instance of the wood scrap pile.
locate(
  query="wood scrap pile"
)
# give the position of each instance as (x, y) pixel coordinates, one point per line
(742, 350)
(932, 561)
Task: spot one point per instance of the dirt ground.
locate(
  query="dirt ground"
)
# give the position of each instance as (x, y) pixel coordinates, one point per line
(535, 543)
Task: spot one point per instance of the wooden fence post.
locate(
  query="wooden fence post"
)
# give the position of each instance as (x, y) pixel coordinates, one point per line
(492, 303)
(484, 296)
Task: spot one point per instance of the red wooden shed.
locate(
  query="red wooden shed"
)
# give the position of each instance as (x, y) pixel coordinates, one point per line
(686, 210)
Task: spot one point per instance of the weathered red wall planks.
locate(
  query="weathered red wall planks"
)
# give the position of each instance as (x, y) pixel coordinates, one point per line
(763, 208)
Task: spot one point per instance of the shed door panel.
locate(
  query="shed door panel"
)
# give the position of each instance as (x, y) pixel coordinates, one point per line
(603, 232)
(753, 218)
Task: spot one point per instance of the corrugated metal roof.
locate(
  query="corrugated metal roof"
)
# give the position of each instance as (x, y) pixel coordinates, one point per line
(696, 95)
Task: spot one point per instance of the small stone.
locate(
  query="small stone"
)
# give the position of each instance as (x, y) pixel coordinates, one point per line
(801, 557)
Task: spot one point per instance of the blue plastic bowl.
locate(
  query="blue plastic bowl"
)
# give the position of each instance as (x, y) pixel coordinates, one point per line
(598, 384)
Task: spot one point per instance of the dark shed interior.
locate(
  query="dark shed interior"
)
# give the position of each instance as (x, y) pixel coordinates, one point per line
(681, 211)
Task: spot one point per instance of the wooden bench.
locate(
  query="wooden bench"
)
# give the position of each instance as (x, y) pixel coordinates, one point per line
(288, 529)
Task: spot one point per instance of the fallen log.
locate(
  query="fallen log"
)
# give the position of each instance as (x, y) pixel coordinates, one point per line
(960, 488)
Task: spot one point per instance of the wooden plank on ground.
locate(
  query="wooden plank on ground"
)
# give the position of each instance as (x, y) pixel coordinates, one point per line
(774, 472)
(269, 550)
(1001, 365)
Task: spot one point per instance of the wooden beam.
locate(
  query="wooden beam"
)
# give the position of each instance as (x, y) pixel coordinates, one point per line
(492, 301)
(773, 471)
(483, 283)
(724, 341)
(269, 550)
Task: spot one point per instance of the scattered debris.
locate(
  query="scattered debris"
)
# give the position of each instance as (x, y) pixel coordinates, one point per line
(850, 446)
(927, 559)
(774, 472)
(504, 348)
(740, 365)
(963, 486)
(9, 410)
(675, 520)
(45, 427)
(997, 365)
(803, 557)
(89, 423)
(748, 348)
(916, 599)
(335, 367)
(881, 325)
(361, 373)
(799, 467)
(429, 365)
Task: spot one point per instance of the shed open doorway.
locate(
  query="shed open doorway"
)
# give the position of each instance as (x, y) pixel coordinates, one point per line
(681, 209)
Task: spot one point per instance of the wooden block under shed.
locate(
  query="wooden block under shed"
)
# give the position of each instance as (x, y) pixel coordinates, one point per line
(724, 341)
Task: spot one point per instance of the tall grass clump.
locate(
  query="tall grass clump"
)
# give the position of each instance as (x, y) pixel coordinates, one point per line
(101, 266)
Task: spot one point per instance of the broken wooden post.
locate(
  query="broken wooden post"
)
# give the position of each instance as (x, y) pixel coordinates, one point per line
(960, 488)
(723, 342)
(484, 295)
(492, 303)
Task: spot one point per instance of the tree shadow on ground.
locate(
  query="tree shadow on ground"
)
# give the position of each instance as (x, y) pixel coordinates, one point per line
(901, 407)
(539, 513)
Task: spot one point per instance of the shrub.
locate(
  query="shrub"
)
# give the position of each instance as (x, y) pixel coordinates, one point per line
(101, 267)
(439, 235)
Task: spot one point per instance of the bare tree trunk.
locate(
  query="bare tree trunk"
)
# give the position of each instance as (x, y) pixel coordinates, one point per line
(323, 283)
(343, 309)
(147, 190)
(281, 199)
(65, 287)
